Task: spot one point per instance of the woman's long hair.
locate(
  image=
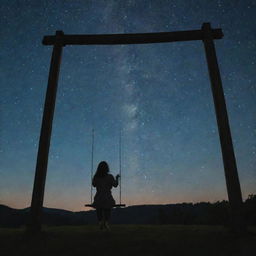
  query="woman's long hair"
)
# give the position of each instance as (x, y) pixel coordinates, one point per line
(102, 170)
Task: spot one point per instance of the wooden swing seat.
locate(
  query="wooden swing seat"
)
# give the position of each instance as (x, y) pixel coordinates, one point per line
(114, 206)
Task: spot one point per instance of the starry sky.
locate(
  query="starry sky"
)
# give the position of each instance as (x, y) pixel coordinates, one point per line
(158, 95)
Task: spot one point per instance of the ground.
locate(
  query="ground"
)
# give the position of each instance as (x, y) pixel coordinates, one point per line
(128, 240)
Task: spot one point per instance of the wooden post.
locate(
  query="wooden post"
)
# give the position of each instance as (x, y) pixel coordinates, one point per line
(229, 161)
(34, 224)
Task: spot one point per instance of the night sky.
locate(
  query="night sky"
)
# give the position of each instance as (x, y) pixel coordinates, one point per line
(158, 95)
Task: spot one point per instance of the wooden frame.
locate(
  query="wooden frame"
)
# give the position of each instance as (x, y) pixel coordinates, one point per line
(205, 34)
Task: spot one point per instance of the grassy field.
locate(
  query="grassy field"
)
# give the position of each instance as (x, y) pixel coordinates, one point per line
(127, 240)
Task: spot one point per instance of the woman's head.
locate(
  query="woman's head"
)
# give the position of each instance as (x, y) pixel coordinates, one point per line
(102, 169)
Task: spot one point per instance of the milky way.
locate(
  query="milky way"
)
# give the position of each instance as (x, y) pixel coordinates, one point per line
(157, 95)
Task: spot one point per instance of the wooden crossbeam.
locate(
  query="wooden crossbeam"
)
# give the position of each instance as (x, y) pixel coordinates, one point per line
(144, 38)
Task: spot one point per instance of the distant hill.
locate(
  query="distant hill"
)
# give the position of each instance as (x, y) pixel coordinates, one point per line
(184, 213)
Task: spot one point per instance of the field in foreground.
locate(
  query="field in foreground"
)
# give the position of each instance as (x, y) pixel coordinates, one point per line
(127, 240)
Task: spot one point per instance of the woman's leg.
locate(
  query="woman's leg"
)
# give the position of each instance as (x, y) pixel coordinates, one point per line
(99, 212)
(107, 213)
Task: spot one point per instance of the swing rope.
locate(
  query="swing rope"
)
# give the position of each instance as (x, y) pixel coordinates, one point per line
(92, 161)
(120, 170)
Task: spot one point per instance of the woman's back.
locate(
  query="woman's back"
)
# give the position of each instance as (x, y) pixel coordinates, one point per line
(103, 197)
(104, 183)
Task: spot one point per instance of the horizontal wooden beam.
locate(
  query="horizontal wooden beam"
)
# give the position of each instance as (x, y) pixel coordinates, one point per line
(145, 38)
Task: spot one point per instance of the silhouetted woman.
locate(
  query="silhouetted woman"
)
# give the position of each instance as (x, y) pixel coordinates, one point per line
(103, 200)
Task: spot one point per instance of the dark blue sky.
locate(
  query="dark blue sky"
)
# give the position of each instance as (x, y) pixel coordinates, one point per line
(158, 95)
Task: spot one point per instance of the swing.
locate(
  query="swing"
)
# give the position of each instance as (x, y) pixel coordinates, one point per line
(120, 170)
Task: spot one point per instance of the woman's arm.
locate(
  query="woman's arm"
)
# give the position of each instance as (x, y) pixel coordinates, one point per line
(94, 182)
(115, 181)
